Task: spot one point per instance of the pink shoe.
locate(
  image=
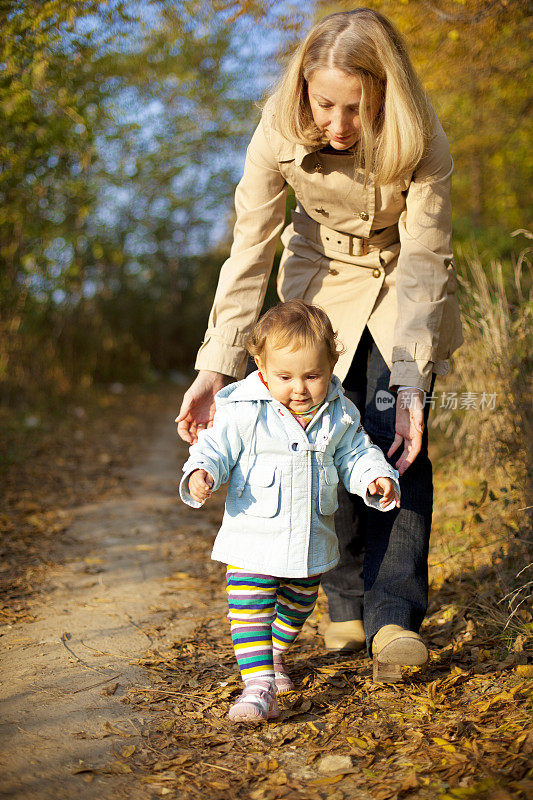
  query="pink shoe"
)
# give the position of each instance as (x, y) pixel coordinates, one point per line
(256, 703)
(284, 684)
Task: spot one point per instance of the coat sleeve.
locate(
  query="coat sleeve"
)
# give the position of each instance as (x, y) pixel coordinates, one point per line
(260, 201)
(359, 462)
(424, 265)
(216, 451)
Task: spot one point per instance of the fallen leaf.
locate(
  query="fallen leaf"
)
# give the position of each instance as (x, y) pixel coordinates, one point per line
(303, 708)
(444, 743)
(324, 781)
(269, 765)
(410, 781)
(357, 742)
(117, 731)
(524, 670)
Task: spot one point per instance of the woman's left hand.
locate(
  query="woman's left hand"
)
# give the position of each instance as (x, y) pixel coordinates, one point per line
(409, 427)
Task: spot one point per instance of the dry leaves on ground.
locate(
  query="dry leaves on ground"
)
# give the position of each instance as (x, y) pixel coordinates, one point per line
(458, 728)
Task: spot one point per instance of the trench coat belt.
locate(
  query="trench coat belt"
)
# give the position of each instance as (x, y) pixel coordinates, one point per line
(329, 239)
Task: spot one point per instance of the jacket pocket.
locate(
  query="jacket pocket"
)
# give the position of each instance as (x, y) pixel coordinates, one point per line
(328, 481)
(260, 497)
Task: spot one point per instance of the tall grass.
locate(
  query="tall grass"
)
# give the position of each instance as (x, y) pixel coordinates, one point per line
(496, 359)
(492, 445)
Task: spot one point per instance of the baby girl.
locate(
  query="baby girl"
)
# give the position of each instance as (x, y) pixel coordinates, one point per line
(282, 437)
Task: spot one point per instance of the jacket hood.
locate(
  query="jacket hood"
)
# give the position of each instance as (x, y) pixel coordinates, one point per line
(253, 388)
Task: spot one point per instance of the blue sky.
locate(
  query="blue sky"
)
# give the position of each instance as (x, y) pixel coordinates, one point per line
(256, 43)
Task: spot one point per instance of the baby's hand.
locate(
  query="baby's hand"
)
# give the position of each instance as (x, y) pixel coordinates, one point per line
(386, 488)
(200, 483)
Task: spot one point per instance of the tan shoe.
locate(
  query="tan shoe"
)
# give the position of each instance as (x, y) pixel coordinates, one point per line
(345, 637)
(394, 647)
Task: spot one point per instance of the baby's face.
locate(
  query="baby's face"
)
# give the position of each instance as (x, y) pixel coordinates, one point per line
(297, 378)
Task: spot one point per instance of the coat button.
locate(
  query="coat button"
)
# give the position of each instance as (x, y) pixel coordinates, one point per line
(294, 445)
(376, 273)
(363, 215)
(319, 167)
(333, 271)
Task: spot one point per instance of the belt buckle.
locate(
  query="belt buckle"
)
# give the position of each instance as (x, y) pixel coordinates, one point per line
(364, 245)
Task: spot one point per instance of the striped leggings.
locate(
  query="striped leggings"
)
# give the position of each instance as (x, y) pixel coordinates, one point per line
(266, 614)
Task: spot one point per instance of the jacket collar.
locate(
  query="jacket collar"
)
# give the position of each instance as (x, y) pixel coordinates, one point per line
(302, 150)
(251, 388)
(295, 151)
(292, 151)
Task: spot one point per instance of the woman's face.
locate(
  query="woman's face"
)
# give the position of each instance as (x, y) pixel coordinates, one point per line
(334, 97)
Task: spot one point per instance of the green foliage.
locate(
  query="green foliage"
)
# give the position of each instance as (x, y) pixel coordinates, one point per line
(118, 133)
(51, 101)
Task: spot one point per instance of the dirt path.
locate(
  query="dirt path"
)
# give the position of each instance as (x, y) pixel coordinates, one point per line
(65, 674)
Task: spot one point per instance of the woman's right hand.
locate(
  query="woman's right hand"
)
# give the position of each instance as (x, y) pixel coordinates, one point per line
(198, 407)
(409, 427)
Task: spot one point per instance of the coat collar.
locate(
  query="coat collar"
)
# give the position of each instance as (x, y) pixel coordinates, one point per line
(294, 151)
(302, 150)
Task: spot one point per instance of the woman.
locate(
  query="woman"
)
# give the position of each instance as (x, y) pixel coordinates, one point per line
(351, 130)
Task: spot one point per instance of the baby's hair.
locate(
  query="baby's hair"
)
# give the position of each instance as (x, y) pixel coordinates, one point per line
(294, 324)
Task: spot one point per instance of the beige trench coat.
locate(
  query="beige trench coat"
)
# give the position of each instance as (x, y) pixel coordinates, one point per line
(376, 256)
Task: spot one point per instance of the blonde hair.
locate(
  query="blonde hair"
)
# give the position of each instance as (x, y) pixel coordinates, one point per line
(362, 43)
(294, 324)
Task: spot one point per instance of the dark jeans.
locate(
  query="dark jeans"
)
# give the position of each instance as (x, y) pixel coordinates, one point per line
(382, 576)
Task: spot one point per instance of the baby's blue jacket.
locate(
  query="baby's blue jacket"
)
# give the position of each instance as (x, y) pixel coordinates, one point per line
(282, 491)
